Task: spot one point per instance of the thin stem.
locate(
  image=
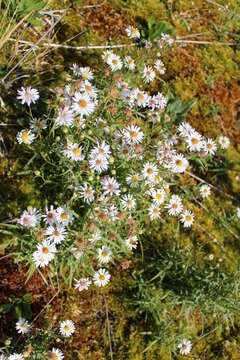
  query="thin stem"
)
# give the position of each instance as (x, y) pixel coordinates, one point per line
(49, 302)
(204, 42)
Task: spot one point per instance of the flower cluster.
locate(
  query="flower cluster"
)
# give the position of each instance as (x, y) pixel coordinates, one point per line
(125, 163)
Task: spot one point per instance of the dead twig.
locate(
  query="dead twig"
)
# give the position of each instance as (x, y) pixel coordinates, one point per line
(202, 42)
(49, 302)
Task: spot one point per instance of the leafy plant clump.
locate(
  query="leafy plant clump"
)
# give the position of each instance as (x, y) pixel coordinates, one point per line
(115, 160)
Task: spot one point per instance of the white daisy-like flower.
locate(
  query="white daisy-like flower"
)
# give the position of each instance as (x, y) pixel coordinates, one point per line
(131, 242)
(87, 193)
(89, 89)
(148, 74)
(238, 212)
(168, 39)
(28, 95)
(29, 218)
(16, 356)
(149, 171)
(210, 147)
(179, 163)
(77, 253)
(129, 63)
(67, 328)
(56, 233)
(158, 196)
(80, 122)
(160, 101)
(65, 117)
(64, 216)
(132, 32)
(86, 73)
(104, 255)
(128, 202)
(110, 186)
(133, 134)
(185, 347)
(76, 70)
(187, 218)
(98, 164)
(44, 254)
(224, 142)
(185, 129)
(74, 152)
(194, 141)
(101, 123)
(112, 212)
(133, 180)
(101, 277)
(205, 191)
(50, 215)
(95, 236)
(25, 137)
(174, 206)
(82, 284)
(154, 212)
(56, 354)
(22, 326)
(141, 97)
(107, 55)
(38, 125)
(159, 66)
(101, 151)
(115, 62)
(83, 105)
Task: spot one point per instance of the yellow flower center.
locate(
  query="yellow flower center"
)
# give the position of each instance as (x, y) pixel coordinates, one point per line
(159, 196)
(155, 211)
(89, 89)
(56, 232)
(76, 151)
(134, 178)
(101, 277)
(88, 192)
(45, 250)
(133, 134)
(82, 103)
(66, 328)
(25, 137)
(150, 171)
(115, 62)
(104, 254)
(195, 141)
(28, 95)
(64, 216)
(179, 162)
(188, 218)
(98, 162)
